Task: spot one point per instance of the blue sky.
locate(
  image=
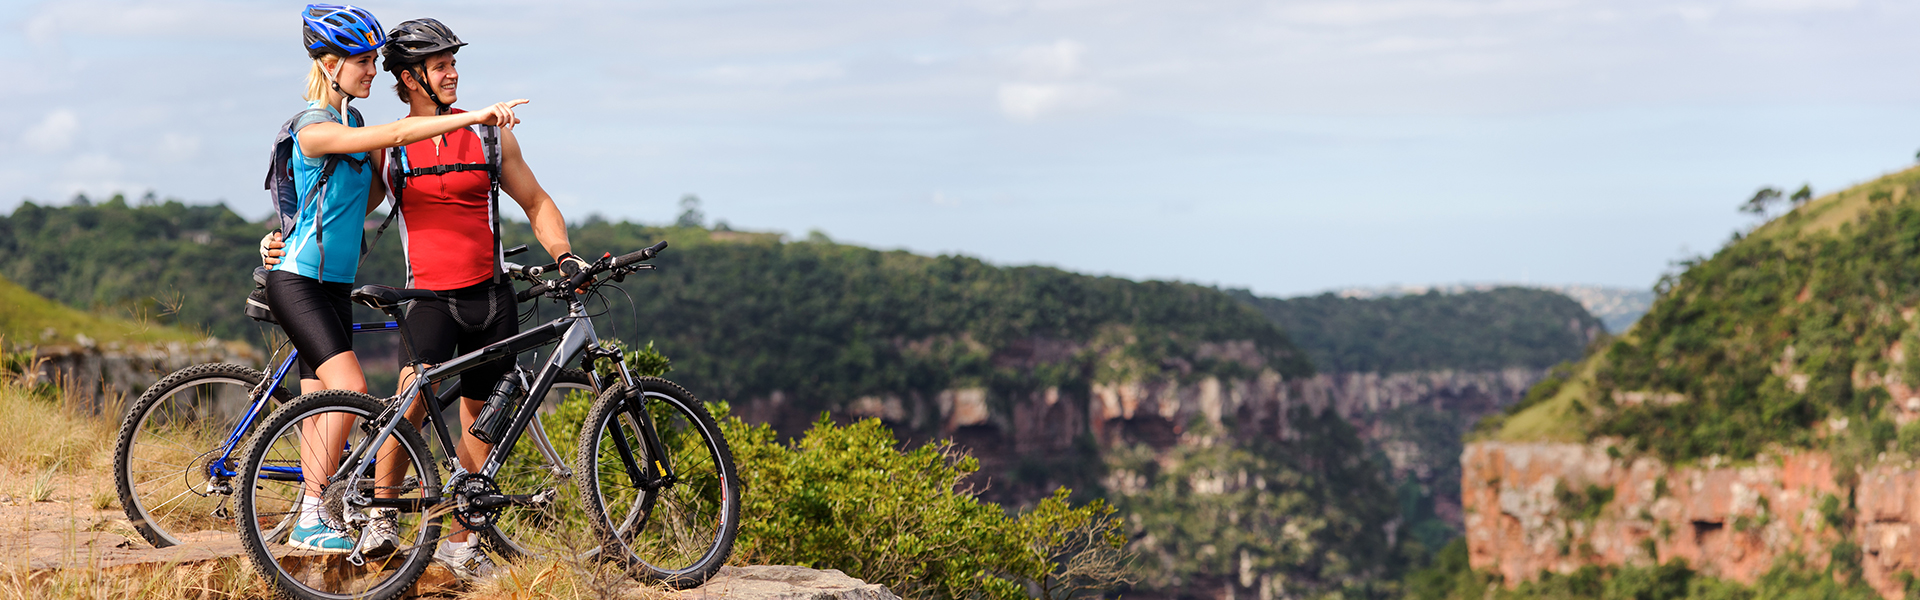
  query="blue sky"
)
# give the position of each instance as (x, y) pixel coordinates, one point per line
(1286, 147)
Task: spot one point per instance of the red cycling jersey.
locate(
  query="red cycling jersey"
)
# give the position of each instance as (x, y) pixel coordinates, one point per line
(444, 221)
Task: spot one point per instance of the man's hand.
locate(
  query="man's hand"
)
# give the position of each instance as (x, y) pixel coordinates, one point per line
(271, 248)
(571, 264)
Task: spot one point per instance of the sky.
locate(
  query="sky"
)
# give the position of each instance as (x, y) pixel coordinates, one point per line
(1287, 147)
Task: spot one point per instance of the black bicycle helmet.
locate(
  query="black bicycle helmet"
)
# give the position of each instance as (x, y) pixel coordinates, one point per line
(413, 41)
(409, 45)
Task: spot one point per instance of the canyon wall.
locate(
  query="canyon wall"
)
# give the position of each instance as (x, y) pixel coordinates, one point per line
(1533, 507)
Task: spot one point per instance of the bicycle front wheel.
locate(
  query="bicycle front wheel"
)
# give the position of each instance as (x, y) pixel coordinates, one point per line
(274, 497)
(658, 483)
(556, 528)
(172, 464)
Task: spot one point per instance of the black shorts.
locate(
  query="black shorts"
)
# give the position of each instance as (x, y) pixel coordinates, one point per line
(316, 315)
(462, 321)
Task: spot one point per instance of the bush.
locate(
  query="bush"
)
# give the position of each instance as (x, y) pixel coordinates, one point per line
(847, 498)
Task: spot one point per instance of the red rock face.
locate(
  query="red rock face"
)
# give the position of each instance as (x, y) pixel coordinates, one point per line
(1731, 522)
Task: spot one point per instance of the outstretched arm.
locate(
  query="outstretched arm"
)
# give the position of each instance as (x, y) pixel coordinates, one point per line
(518, 181)
(321, 139)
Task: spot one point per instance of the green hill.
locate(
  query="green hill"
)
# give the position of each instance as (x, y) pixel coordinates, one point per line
(1805, 321)
(1471, 330)
(744, 315)
(29, 319)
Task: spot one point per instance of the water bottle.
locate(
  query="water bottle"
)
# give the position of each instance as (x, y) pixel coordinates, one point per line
(491, 425)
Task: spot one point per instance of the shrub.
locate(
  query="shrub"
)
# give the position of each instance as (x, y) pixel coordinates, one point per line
(848, 498)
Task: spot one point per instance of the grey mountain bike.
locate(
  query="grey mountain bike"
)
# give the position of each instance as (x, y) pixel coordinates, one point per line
(652, 487)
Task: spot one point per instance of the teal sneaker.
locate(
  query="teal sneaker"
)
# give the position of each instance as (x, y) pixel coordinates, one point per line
(320, 539)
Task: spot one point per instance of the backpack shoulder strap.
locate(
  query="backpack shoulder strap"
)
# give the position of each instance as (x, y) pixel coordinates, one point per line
(490, 141)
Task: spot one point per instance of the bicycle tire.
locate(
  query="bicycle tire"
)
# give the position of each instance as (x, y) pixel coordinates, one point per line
(680, 533)
(277, 441)
(558, 531)
(191, 398)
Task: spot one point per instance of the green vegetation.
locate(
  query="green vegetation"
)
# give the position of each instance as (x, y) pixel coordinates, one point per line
(847, 498)
(1494, 329)
(1450, 578)
(166, 263)
(1779, 333)
(1306, 517)
(748, 314)
(854, 498)
(32, 320)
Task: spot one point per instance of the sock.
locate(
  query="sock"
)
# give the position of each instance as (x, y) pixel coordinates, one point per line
(309, 512)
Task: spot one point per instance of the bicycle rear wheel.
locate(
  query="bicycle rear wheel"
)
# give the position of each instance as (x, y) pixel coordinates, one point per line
(164, 459)
(674, 528)
(556, 529)
(275, 498)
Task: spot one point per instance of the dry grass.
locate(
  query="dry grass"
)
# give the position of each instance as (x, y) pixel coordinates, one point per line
(41, 433)
(60, 456)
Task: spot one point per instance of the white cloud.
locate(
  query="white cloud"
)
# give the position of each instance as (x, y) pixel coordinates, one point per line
(1047, 61)
(55, 133)
(1029, 101)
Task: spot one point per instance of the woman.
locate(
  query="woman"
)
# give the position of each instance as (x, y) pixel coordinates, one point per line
(308, 289)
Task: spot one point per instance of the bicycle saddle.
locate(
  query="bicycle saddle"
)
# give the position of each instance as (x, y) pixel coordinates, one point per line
(380, 296)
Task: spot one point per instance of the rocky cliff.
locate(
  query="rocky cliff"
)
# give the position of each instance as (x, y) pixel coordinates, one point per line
(96, 374)
(1534, 507)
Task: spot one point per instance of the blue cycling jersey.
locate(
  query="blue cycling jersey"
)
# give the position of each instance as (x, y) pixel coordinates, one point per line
(340, 211)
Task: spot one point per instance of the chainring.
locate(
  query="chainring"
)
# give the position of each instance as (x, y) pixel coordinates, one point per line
(467, 488)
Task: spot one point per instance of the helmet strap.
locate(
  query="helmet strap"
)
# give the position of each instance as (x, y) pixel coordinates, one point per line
(334, 80)
(419, 72)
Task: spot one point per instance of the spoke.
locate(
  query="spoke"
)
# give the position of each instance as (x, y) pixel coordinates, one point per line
(176, 466)
(168, 440)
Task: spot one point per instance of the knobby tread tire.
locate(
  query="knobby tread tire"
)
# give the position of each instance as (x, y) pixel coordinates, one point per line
(610, 401)
(130, 427)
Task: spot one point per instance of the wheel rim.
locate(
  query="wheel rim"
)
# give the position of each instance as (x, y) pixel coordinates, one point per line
(678, 528)
(172, 444)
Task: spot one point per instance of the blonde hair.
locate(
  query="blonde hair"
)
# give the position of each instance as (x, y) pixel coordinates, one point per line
(317, 83)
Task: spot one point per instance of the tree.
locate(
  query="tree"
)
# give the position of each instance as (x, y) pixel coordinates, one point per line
(1761, 201)
(1802, 195)
(690, 215)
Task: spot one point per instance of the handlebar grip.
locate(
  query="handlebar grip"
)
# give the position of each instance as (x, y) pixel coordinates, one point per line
(643, 254)
(532, 292)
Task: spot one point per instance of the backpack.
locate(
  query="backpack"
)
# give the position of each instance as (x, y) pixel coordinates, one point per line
(285, 196)
(399, 171)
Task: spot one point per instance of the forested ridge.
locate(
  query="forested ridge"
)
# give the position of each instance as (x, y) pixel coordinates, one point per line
(1474, 330)
(744, 314)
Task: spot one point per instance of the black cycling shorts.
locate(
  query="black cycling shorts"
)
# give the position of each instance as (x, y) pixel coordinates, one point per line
(462, 321)
(316, 315)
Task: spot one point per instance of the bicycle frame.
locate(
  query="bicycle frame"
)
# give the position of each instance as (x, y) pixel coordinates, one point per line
(218, 469)
(577, 341)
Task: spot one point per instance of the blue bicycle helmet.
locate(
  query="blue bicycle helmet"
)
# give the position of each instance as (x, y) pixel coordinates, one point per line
(342, 30)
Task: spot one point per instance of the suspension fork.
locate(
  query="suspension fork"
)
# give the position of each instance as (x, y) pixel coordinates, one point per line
(660, 471)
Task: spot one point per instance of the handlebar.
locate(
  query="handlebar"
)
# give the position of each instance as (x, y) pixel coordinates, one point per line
(607, 262)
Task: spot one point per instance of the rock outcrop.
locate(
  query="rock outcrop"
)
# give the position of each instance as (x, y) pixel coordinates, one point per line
(1534, 507)
(94, 373)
